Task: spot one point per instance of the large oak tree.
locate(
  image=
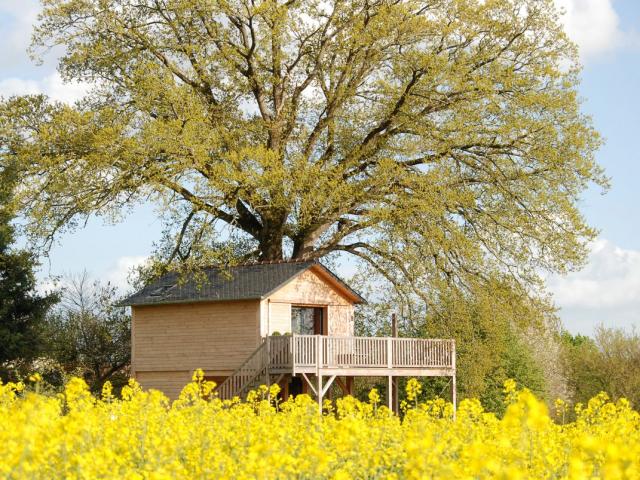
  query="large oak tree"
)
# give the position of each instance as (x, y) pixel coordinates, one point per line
(440, 141)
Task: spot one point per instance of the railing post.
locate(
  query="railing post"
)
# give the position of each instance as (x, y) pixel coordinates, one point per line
(267, 362)
(389, 353)
(293, 353)
(319, 352)
(453, 378)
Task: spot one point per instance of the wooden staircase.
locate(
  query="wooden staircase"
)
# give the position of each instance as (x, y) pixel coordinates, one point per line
(261, 368)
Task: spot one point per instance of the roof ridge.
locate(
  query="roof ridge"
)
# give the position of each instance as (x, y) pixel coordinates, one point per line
(263, 262)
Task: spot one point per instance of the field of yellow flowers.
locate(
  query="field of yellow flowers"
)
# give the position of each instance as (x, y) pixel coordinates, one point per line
(143, 435)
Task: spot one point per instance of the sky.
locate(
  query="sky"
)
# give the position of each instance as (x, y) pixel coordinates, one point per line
(606, 292)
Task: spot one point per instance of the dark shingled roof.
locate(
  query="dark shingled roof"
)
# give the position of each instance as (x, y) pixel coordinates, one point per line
(242, 282)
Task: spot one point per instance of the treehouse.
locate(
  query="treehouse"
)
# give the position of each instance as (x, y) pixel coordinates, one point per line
(291, 323)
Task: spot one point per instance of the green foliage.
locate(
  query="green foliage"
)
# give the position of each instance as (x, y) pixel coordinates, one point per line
(490, 327)
(22, 310)
(88, 335)
(515, 362)
(439, 141)
(608, 362)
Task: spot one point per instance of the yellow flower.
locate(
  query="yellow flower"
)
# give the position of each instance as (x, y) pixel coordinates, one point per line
(142, 435)
(198, 375)
(414, 389)
(107, 392)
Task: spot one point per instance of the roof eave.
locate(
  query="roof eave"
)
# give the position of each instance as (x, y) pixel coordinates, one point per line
(187, 300)
(355, 296)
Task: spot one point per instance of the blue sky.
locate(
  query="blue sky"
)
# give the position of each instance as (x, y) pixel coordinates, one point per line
(606, 291)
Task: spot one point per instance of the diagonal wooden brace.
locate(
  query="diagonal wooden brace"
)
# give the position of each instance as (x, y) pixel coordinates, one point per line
(313, 389)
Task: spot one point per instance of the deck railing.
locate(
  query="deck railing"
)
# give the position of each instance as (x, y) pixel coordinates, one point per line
(287, 354)
(305, 351)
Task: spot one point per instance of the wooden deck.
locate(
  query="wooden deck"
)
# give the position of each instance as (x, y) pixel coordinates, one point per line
(360, 356)
(330, 357)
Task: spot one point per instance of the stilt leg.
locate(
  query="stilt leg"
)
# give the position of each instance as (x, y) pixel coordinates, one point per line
(454, 395)
(342, 385)
(319, 394)
(390, 392)
(285, 388)
(396, 400)
(349, 385)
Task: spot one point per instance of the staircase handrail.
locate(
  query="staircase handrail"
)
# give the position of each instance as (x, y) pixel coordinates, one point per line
(225, 388)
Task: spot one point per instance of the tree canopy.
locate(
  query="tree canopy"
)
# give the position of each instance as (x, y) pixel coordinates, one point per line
(88, 335)
(440, 141)
(606, 363)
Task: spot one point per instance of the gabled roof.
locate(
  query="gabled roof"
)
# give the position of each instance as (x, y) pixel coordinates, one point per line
(242, 282)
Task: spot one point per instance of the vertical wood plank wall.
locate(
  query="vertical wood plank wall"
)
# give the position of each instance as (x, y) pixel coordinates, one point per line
(308, 289)
(340, 320)
(280, 320)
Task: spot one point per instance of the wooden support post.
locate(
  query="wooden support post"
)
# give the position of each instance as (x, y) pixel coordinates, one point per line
(396, 405)
(319, 394)
(394, 334)
(267, 376)
(327, 385)
(308, 382)
(454, 393)
(343, 386)
(390, 392)
(285, 388)
(349, 385)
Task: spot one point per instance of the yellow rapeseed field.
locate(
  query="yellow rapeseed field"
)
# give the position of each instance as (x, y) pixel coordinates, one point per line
(143, 435)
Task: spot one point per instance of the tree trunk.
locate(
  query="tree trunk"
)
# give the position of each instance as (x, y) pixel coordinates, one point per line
(271, 244)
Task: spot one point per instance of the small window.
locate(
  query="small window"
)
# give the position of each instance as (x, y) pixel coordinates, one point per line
(307, 320)
(160, 291)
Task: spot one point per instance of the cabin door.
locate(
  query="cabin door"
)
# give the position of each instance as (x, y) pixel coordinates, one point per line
(308, 320)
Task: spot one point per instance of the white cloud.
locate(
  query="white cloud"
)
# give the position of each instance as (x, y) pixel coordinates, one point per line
(118, 273)
(19, 17)
(51, 85)
(595, 26)
(606, 291)
(21, 76)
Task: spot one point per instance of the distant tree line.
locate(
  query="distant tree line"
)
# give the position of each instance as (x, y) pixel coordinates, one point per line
(76, 330)
(608, 362)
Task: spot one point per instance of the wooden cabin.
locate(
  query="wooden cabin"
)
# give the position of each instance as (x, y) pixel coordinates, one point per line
(285, 322)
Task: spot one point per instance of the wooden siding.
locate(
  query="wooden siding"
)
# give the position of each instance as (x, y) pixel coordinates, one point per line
(310, 288)
(214, 336)
(170, 383)
(280, 317)
(340, 320)
(264, 315)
